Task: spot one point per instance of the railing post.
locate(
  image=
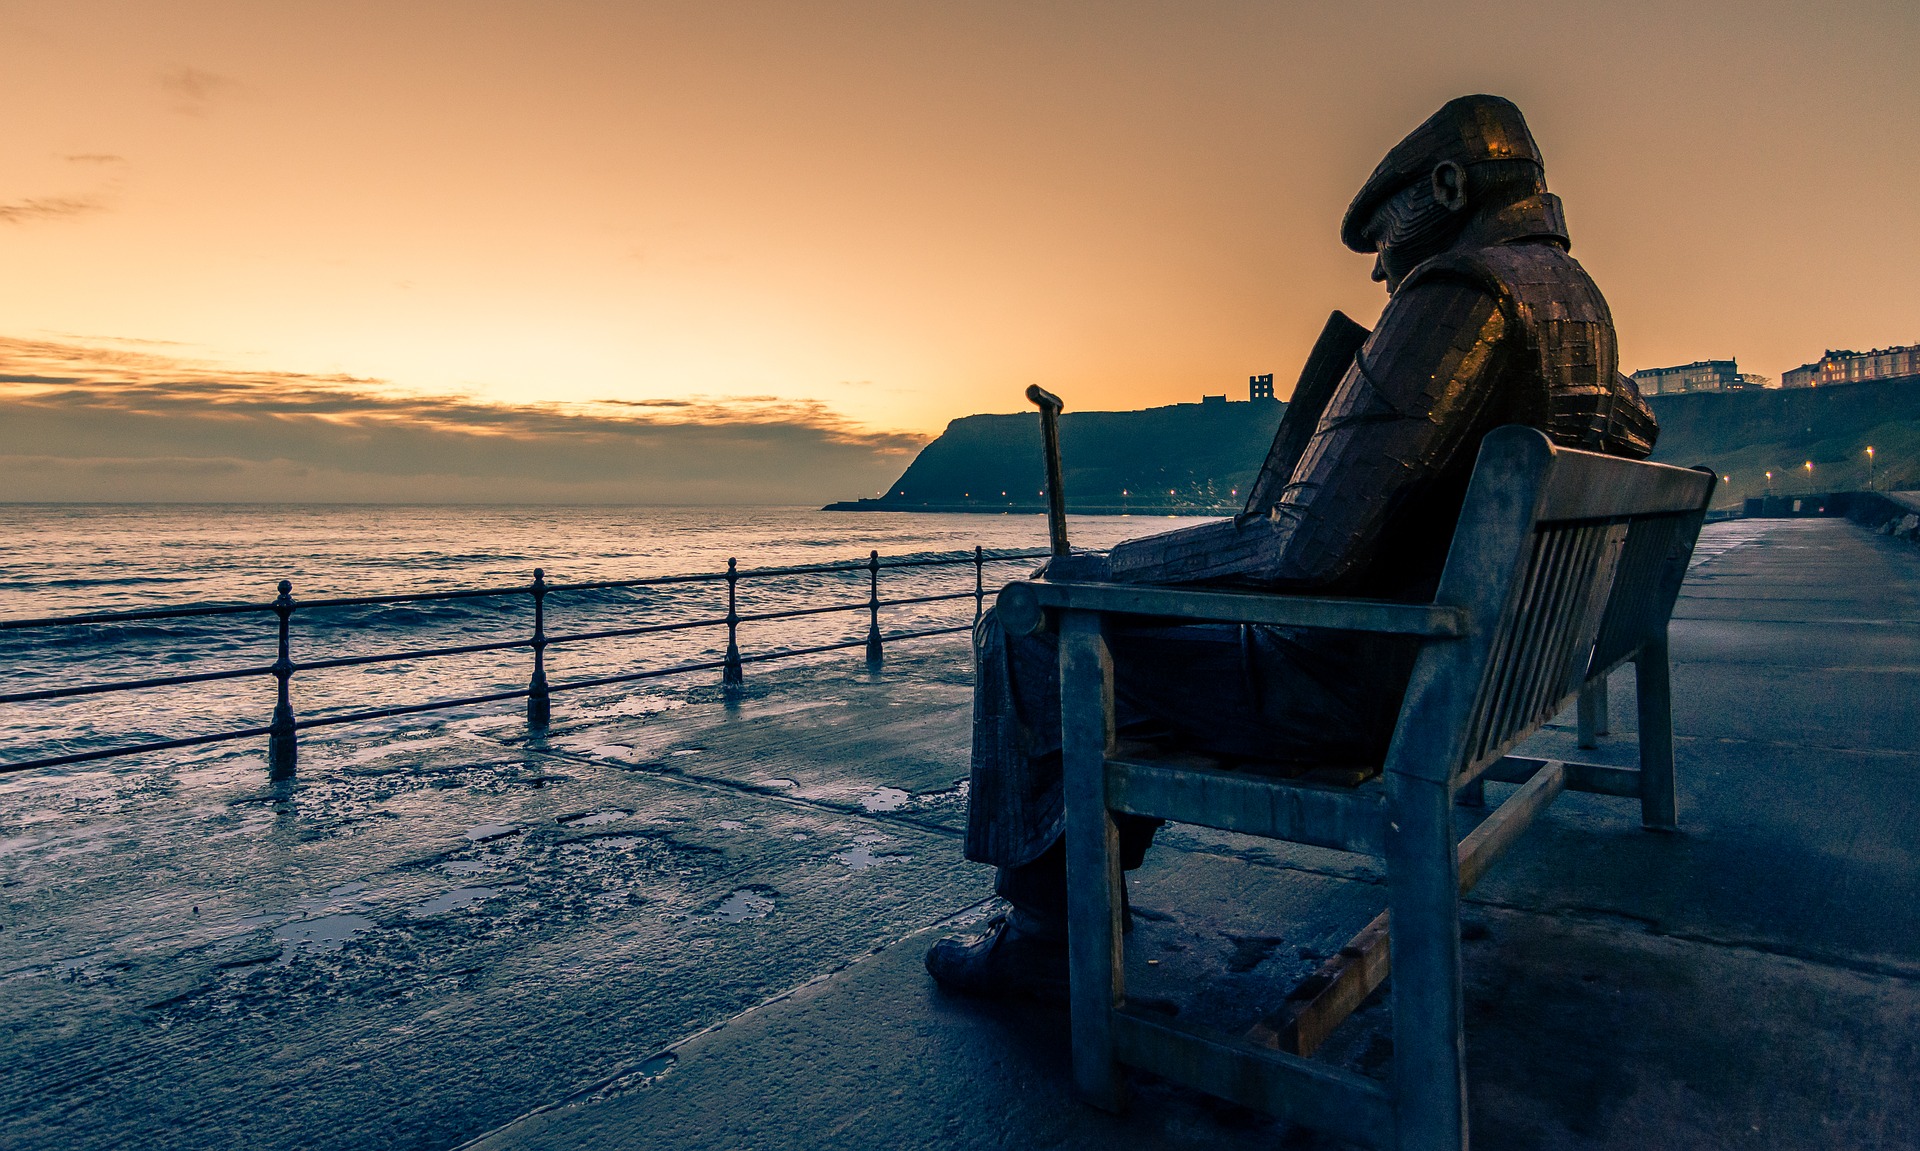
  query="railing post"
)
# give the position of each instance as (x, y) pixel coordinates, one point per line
(874, 653)
(539, 698)
(283, 746)
(979, 583)
(730, 678)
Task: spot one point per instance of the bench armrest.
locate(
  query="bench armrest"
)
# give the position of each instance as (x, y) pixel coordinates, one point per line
(1023, 606)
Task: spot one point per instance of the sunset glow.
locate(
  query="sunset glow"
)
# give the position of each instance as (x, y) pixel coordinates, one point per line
(886, 216)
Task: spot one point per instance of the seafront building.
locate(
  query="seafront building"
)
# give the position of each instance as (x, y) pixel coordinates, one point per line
(1699, 376)
(1849, 367)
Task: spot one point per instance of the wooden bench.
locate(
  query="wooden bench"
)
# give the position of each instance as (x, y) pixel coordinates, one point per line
(1564, 566)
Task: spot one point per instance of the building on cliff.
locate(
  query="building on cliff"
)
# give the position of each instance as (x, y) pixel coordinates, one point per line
(1699, 376)
(1849, 367)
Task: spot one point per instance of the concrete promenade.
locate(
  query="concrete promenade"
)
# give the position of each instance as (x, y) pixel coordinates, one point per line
(684, 923)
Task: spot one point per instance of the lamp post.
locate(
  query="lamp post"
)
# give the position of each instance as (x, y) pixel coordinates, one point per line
(1869, 467)
(1769, 483)
(1809, 466)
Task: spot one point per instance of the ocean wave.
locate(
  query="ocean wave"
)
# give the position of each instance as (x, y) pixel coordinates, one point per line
(131, 558)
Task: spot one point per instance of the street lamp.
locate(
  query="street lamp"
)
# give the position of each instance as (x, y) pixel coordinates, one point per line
(1869, 467)
(1809, 466)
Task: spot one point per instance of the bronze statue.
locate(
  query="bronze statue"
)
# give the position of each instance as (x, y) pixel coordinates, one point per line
(1489, 321)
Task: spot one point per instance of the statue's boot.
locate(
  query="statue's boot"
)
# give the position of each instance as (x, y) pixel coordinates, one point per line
(1012, 957)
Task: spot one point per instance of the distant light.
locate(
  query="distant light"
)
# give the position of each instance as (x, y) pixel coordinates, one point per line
(1726, 479)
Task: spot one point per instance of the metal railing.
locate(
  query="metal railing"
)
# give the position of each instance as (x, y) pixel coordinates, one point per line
(283, 731)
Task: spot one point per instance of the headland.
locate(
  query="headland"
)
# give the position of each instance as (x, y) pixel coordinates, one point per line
(1197, 459)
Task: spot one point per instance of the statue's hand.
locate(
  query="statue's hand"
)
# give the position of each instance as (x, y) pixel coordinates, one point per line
(1080, 567)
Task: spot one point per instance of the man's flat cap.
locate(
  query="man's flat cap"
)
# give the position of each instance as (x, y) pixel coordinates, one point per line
(1466, 131)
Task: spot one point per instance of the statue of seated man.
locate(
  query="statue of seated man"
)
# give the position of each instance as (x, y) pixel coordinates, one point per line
(1488, 321)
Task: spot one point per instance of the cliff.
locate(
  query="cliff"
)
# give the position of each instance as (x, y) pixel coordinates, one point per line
(1199, 458)
(1184, 458)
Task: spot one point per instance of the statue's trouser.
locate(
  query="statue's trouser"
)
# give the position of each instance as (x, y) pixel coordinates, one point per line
(1250, 693)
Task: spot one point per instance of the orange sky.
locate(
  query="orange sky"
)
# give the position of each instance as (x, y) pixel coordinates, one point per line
(902, 213)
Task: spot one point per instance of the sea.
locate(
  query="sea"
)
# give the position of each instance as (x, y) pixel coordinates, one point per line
(72, 559)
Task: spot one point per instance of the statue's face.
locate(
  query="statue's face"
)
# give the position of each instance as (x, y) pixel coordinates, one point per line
(1417, 223)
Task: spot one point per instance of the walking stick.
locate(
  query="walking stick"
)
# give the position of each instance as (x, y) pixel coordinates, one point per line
(1050, 408)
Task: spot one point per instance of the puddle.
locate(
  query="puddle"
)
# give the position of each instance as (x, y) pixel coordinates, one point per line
(744, 904)
(639, 705)
(488, 832)
(592, 818)
(657, 1066)
(453, 900)
(886, 799)
(861, 858)
(688, 751)
(778, 783)
(322, 934)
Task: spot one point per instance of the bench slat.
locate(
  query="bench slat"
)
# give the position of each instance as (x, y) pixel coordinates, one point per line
(1022, 602)
(1588, 485)
(1342, 818)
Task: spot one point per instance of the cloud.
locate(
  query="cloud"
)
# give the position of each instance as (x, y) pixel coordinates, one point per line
(101, 421)
(107, 185)
(193, 90)
(49, 208)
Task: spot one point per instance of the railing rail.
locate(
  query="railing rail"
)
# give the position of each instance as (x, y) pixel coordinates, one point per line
(283, 732)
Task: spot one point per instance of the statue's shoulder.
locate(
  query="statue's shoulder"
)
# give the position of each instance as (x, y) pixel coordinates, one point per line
(1503, 269)
(1526, 278)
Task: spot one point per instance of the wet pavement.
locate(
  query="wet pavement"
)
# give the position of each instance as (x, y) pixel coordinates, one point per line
(684, 922)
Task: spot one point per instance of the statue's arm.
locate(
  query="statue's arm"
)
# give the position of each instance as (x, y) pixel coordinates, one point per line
(1404, 412)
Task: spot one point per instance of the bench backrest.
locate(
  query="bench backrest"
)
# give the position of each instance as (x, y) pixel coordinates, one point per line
(1568, 563)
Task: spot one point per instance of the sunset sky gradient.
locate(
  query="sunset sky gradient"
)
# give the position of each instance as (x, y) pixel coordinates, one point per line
(848, 223)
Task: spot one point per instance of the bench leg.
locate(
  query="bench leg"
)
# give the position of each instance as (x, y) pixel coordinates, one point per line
(1429, 1045)
(1093, 857)
(1592, 708)
(1659, 807)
